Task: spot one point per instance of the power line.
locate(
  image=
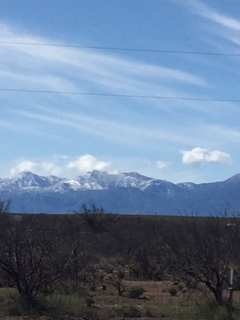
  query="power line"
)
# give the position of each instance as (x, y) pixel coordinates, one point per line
(117, 95)
(122, 49)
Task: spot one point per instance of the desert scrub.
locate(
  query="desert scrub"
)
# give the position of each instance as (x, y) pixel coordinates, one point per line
(135, 293)
(66, 303)
(173, 291)
(128, 311)
(212, 311)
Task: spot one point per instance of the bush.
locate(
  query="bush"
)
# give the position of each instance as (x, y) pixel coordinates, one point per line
(128, 312)
(21, 307)
(149, 313)
(211, 311)
(173, 291)
(89, 302)
(181, 287)
(136, 293)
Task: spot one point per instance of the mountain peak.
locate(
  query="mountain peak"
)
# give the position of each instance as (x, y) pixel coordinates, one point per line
(25, 174)
(136, 175)
(235, 178)
(98, 173)
(27, 179)
(126, 192)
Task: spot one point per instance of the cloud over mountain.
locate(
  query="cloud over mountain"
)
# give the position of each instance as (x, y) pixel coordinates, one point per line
(87, 163)
(62, 166)
(201, 155)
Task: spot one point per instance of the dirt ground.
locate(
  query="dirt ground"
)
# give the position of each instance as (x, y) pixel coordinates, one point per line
(161, 300)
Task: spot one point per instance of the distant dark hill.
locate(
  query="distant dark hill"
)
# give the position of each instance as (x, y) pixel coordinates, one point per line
(119, 193)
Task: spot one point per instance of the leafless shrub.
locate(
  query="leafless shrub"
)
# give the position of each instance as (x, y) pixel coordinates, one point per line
(4, 206)
(32, 255)
(202, 253)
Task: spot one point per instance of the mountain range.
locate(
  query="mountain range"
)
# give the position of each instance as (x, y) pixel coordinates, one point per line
(127, 192)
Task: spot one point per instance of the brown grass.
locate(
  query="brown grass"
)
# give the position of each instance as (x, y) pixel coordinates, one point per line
(158, 303)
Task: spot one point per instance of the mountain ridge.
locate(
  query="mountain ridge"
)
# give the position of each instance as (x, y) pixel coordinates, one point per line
(126, 192)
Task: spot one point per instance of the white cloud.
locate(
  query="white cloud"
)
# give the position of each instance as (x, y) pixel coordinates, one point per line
(42, 168)
(62, 166)
(162, 164)
(88, 163)
(201, 155)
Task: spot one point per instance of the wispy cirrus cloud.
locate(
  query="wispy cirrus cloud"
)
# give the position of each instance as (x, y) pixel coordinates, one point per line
(81, 70)
(132, 134)
(212, 14)
(110, 130)
(75, 64)
(141, 128)
(228, 25)
(5, 124)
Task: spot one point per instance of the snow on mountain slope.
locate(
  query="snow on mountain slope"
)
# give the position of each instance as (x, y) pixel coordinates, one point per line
(127, 192)
(104, 180)
(95, 180)
(27, 181)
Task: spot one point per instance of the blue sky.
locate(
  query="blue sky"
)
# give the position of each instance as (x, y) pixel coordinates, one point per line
(67, 135)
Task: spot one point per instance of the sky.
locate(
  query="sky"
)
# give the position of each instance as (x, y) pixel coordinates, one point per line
(68, 134)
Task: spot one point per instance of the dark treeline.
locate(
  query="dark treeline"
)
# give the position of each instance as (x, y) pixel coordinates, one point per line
(41, 254)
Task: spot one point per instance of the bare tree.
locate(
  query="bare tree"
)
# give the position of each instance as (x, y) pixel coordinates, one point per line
(113, 273)
(4, 206)
(202, 252)
(31, 254)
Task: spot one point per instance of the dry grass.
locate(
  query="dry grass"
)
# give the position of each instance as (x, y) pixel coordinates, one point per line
(158, 303)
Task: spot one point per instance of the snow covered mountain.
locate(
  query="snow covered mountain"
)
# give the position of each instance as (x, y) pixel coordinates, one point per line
(27, 181)
(127, 192)
(95, 180)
